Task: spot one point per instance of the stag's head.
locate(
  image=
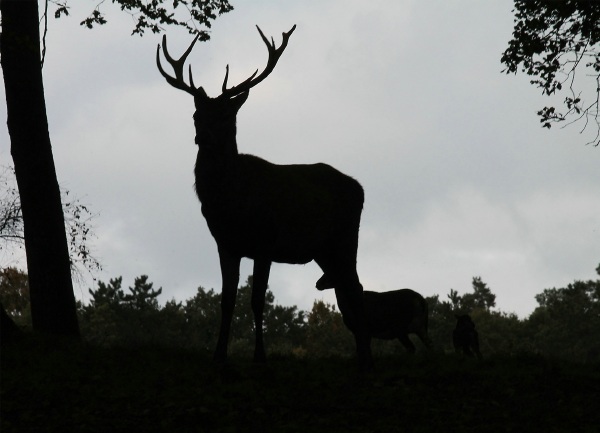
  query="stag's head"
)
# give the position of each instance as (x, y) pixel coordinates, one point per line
(214, 118)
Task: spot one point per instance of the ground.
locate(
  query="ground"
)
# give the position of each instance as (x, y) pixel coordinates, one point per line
(60, 386)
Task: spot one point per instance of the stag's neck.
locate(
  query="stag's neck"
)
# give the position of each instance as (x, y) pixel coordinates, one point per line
(216, 153)
(216, 166)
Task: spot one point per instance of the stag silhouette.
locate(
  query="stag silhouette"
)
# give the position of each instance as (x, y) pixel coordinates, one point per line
(270, 213)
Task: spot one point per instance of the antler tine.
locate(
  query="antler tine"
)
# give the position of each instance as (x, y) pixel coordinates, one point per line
(253, 80)
(177, 65)
(191, 78)
(224, 88)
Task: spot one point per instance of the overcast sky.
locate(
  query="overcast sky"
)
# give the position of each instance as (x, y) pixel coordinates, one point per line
(407, 97)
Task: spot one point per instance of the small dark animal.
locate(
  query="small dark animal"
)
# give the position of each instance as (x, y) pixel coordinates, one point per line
(396, 314)
(465, 337)
(268, 212)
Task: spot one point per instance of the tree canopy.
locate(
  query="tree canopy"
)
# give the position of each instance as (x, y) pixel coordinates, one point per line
(564, 325)
(558, 44)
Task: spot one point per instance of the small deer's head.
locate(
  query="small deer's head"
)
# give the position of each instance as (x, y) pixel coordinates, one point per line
(464, 323)
(215, 118)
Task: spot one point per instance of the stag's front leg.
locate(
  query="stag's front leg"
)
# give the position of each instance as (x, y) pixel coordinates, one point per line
(230, 274)
(260, 281)
(350, 302)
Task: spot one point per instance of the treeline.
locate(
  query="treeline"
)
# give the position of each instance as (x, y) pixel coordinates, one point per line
(566, 323)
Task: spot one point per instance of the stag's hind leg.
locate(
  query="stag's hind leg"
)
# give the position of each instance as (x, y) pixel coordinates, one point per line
(230, 274)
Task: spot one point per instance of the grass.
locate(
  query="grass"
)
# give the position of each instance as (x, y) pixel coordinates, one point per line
(58, 386)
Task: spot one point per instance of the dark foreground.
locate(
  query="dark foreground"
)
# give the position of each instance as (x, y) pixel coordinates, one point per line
(83, 389)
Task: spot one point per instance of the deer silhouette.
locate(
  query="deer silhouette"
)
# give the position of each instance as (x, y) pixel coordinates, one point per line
(268, 212)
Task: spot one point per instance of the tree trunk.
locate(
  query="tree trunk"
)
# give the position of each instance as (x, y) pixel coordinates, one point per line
(53, 307)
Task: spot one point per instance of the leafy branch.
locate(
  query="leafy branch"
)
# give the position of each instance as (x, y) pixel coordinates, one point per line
(78, 224)
(152, 15)
(553, 42)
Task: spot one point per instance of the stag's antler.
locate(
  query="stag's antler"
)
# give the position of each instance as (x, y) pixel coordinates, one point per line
(178, 82)
(274, 54)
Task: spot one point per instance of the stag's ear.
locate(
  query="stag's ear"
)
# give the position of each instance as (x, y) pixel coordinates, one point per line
(200, 97)
(238, 101)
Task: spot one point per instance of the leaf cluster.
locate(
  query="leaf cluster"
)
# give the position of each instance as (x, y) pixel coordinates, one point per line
(553, 41)
(154, 15)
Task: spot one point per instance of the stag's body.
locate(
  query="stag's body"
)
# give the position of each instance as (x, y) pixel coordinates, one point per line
(272, 213)
(283, 213)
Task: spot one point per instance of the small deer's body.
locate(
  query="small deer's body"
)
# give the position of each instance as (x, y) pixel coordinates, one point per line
(396, 314)
(271, 213)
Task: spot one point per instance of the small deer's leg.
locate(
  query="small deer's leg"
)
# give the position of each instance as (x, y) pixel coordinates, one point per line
(425, 339)
(260, 280)
(475, 345)
(230, 274)
(410, 347)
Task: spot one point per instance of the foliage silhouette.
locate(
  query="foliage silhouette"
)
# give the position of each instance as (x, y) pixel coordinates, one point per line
(78, 225)
(153, 15)
(116, 318)
(558, 44)
(563, 326)
(567, 322)
(14, 295)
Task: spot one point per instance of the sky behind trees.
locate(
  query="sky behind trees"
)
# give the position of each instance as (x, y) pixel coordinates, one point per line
(408, 98)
